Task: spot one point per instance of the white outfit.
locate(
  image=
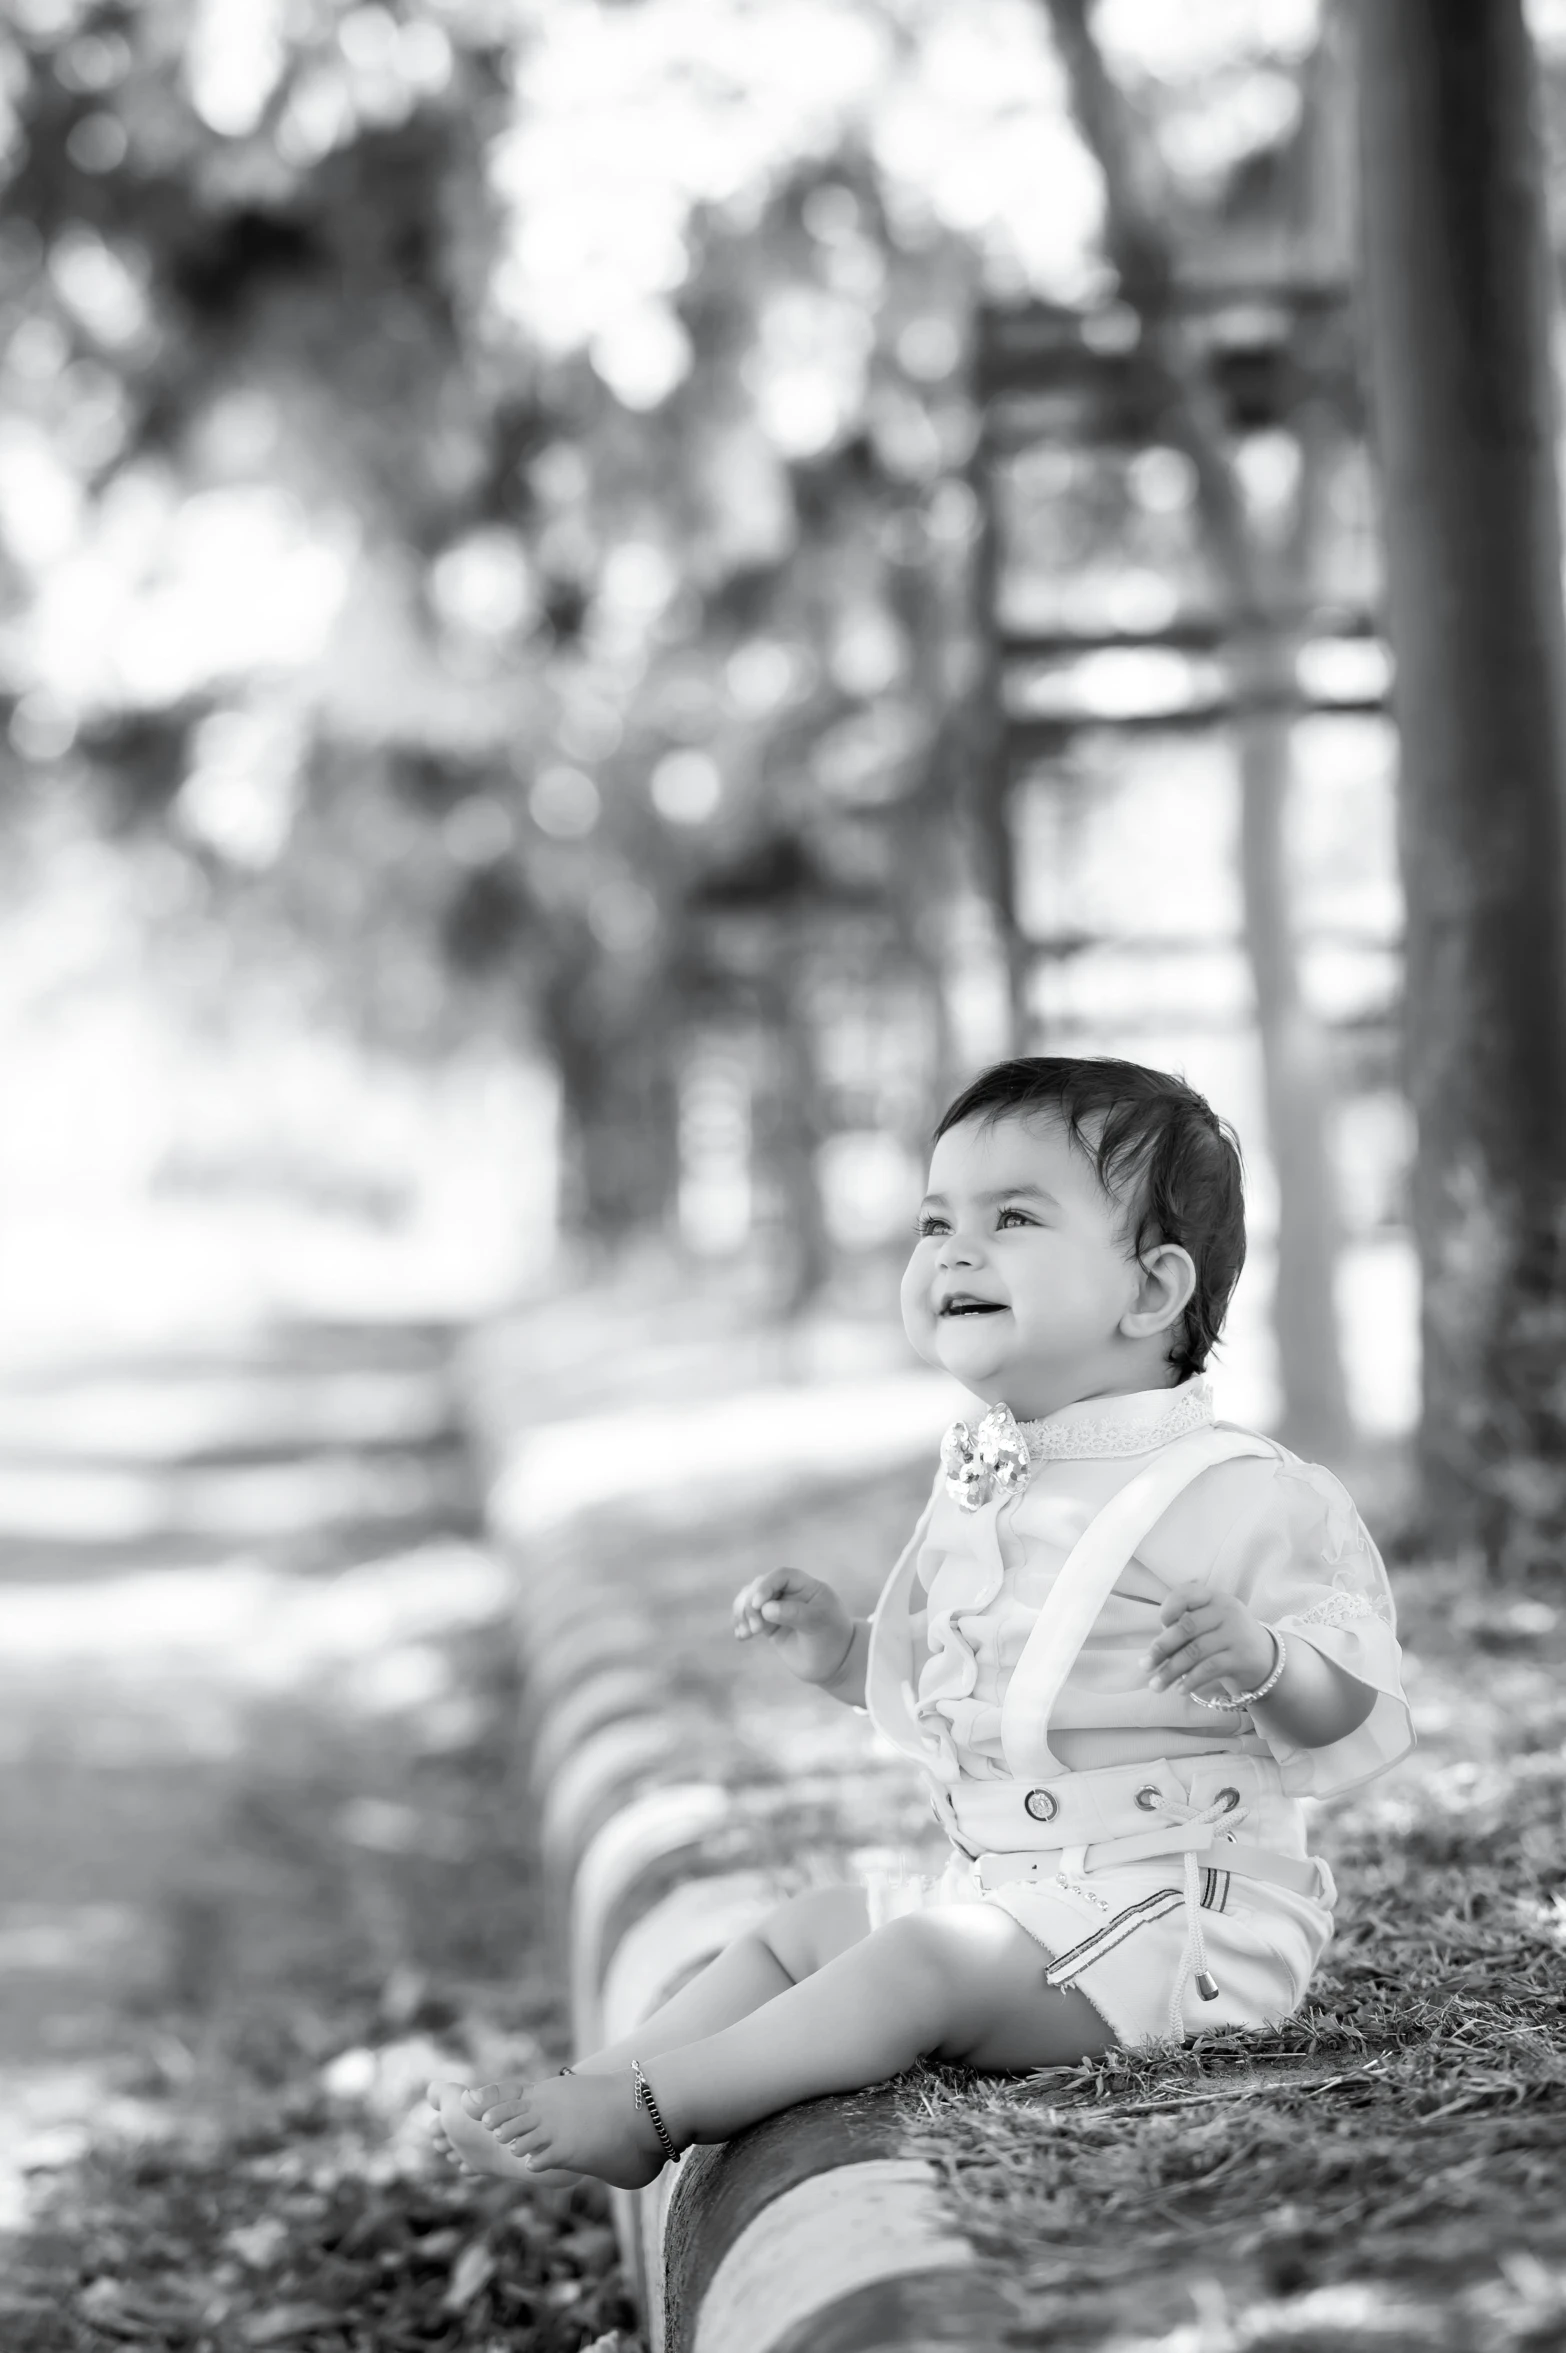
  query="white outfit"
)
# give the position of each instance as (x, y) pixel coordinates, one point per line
(1028, 1616)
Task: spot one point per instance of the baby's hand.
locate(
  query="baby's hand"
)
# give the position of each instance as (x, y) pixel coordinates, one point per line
(1207, 1635)
(809, 1627)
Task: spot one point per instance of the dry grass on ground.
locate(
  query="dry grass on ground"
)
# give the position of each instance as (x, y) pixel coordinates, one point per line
(1385, 2172)
(376, 1922)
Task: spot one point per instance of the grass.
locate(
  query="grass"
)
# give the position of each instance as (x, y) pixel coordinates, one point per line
(376, 1921)
(1386, 2170)
(286, 2234)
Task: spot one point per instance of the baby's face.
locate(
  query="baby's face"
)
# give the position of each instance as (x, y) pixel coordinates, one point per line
(1021, 1273)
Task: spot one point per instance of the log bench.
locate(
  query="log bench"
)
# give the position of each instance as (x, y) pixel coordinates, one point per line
(682, 1787)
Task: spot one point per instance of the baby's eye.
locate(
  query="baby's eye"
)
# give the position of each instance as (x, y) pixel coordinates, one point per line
(927, 1225)
(1016, 1216)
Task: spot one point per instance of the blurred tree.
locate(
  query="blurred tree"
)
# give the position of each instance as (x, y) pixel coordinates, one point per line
(477, 481)
(986, 796)
(1262, 584)
(1457, 326)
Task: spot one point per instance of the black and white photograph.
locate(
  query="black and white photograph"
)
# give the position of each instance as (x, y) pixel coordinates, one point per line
(782, 1176)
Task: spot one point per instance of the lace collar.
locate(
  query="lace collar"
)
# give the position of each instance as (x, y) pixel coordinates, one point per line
(1101, 1428)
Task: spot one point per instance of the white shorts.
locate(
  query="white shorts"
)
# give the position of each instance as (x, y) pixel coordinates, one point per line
(1120, 1936)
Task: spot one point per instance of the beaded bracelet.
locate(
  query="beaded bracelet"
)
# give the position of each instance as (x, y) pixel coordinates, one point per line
(1245, 1699)
(644, 2093)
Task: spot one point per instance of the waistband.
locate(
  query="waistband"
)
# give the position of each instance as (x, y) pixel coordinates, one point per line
(1134, 1814)
(1137, 1807)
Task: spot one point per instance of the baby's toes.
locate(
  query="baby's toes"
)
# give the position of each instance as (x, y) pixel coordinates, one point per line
(480, 2096)
(452, 2096)
(444, 2093)
(520, 2119)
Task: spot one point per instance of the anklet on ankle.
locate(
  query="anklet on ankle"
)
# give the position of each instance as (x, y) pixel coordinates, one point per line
(645, 2095)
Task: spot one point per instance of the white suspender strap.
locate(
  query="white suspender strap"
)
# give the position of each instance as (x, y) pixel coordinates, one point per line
(1086, 1579)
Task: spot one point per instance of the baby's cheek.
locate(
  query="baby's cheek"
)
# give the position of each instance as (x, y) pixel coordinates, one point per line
(918, 1315)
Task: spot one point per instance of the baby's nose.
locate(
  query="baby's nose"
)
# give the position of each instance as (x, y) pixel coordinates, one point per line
(958, 1250)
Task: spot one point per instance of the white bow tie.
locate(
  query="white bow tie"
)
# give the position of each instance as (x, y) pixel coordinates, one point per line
(980, 1463)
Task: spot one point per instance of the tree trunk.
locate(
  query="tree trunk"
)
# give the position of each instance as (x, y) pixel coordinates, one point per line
(790, 1137)
(1457, 322)
(620, 1157)
(1296, 1078)
(1298, 1096)
(988, 791)
(924, 833)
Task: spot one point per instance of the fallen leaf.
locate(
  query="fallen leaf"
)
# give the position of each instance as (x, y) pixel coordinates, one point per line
(284, 2322)
(592, 2249)
(473, 2270)
(258, 2243)
(139, 2314)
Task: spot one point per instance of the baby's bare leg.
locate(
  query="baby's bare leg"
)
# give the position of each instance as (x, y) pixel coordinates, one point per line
(965, 1984)
(789, 1944)
(800, 1937)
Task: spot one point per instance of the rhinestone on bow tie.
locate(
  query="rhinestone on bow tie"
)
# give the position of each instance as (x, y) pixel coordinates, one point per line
(991, 1460)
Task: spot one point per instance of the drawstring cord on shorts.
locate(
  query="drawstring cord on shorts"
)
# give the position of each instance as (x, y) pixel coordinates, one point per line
(1194, 1963)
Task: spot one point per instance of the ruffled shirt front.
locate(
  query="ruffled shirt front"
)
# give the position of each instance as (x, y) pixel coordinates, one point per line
(1279, 1533)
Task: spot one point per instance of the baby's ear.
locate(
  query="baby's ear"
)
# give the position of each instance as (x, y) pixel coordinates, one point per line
(1164, 1293)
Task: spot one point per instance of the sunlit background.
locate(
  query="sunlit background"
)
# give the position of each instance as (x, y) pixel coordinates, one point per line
(521, 528)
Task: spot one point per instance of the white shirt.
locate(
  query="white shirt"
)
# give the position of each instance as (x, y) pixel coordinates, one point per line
(1279, 1533)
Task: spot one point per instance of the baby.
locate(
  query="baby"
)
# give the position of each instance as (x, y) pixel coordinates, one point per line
(1122, 1633)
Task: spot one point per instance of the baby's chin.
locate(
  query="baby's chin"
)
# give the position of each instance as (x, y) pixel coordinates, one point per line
(972, 1352)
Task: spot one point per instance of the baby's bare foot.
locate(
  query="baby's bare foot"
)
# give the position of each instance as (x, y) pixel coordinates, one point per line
(586, 2123)
(463, 2140)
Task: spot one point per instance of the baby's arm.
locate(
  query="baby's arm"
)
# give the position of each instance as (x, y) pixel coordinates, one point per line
(1314, 1701)
(1207, 1636)
(809, 1628)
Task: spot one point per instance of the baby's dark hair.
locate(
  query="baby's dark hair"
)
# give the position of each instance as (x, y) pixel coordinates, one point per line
(1157, 1147)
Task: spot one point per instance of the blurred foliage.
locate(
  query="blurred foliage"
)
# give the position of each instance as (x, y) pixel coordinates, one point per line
(485, 502)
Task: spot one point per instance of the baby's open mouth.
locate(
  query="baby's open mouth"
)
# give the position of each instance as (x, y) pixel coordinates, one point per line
(963, 1306)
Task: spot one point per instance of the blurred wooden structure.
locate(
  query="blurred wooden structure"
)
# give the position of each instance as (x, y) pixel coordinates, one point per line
(1199, 605)
(1047, 376)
